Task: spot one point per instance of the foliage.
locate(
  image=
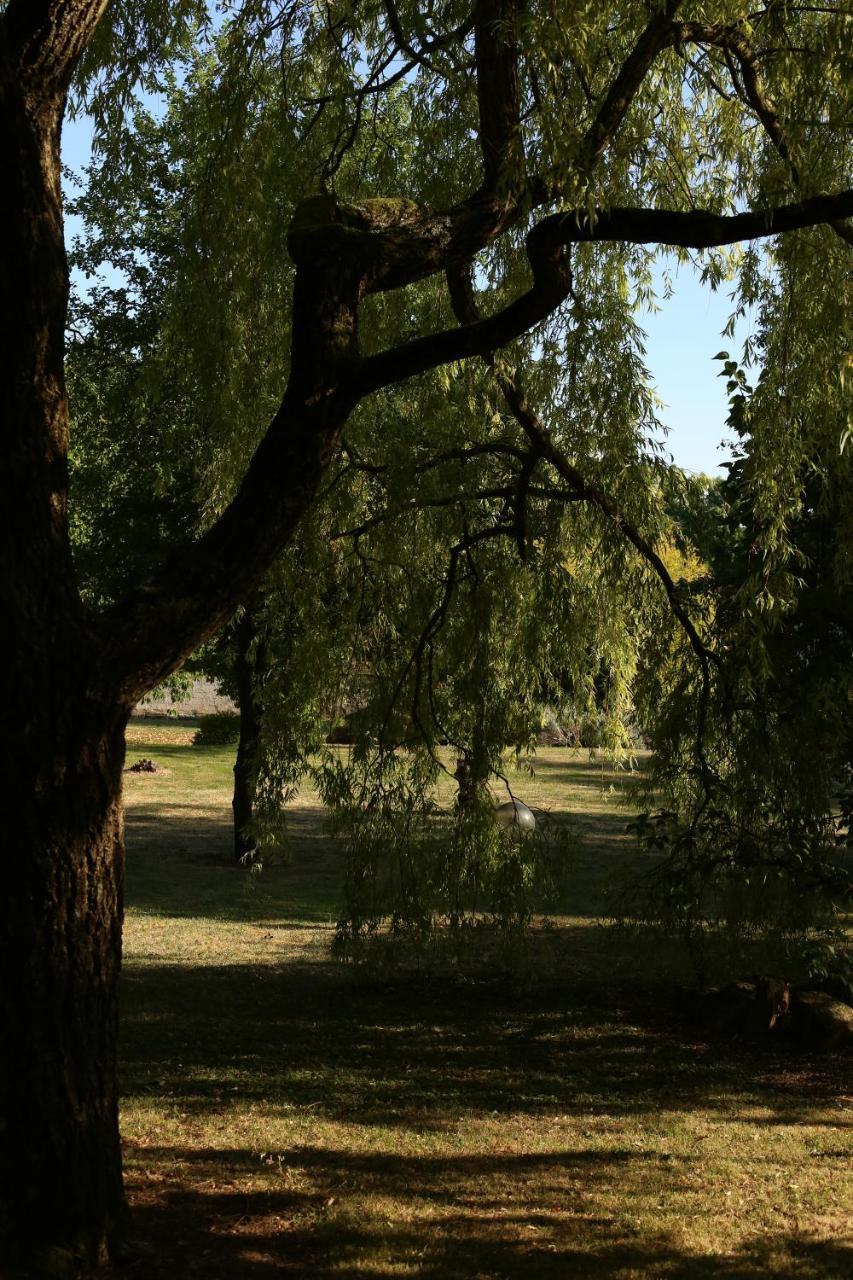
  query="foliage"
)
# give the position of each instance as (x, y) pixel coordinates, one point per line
(133, 480)
(447, 587)
(756, 818)
(441, 880)
(217, 729)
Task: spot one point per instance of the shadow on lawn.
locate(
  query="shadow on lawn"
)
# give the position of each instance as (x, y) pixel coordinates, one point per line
(182, 864)
(452, 1218)
(298, 1040)
(423, 1055)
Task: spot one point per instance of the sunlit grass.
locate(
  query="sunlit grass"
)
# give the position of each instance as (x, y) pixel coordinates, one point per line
(285, 1114)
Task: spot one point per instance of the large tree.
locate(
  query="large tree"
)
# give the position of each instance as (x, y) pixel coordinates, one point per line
(539, 131)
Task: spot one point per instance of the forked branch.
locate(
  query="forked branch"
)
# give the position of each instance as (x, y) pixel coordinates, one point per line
(696, 229)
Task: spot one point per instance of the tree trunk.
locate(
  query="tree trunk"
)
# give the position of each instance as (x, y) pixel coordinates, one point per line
(61, 1197)
(67, 682)
(246, 765)
(61, 735)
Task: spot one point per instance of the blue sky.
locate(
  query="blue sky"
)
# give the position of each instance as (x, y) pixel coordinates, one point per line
(683, 337)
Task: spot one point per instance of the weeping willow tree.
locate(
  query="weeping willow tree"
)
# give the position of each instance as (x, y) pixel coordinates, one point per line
(446, 628)
(754, 798)
(436, 587)
(375, 596)
(384, 190)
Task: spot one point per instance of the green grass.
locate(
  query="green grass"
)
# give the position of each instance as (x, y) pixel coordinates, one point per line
(287, 1115)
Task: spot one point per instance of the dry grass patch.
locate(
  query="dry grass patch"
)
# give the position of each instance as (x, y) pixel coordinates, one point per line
(174, 731)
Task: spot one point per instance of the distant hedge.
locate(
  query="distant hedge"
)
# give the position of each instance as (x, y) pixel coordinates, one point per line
(217, 730)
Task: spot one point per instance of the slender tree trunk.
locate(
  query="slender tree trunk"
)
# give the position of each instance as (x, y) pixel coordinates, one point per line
(246, 663)
(472, 768)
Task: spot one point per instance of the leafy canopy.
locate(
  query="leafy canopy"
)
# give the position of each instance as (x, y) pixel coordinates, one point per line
(451, 580)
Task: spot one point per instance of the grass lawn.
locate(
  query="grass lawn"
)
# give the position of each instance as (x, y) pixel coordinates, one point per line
(284, 1114)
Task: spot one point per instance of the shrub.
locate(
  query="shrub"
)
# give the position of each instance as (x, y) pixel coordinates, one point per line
(217, 730)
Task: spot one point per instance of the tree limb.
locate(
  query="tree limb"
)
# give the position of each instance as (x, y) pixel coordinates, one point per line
(498, 94)
(419, 504)
(656, 36)
(697, 229)
(429, 46)
(751, 89)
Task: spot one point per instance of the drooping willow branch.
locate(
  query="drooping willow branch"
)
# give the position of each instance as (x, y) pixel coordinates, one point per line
(745, 73)
(461, 291)
(436, 621)
(507, 492)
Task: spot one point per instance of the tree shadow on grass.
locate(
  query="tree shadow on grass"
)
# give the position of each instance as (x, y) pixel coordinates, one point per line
(181, 864)
(336, 1213)
(424, 1053)
(305, 1041)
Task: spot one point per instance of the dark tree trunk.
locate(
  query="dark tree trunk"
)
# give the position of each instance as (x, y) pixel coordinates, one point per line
(247, 661)
(61, 731)
(67, 682)
(60, 951)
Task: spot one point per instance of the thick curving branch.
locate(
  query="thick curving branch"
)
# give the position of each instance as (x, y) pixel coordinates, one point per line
(696, 229)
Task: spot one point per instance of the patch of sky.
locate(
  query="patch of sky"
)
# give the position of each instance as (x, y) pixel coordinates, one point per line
(683, 336)
(78, 138)
(76, 155)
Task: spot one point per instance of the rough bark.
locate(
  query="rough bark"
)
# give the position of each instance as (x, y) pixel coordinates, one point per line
(61, 731)
(60, 950)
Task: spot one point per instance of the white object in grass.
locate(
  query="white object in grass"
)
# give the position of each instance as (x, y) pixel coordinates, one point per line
(517, 815)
